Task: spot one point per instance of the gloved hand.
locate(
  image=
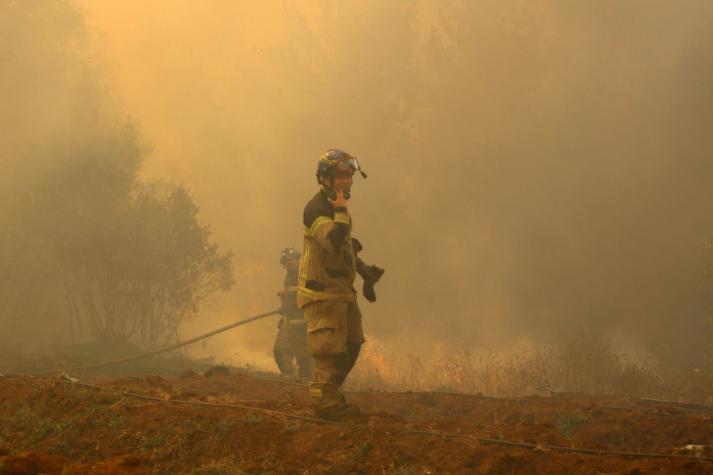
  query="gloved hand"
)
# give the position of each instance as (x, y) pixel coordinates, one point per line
(371, 277)
(368, 291)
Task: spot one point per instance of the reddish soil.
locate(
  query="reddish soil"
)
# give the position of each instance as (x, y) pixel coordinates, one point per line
(53, 427)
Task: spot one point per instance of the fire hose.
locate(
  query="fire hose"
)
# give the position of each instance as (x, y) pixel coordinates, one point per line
(154, 352)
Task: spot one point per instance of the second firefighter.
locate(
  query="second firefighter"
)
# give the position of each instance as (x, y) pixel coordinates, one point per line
(291, 342)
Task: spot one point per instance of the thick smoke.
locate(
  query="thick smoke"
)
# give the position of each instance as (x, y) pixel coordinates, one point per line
(534, 168)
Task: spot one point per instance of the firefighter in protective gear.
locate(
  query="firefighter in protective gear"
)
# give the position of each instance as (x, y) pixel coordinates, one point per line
(291, 341)
(328, 268)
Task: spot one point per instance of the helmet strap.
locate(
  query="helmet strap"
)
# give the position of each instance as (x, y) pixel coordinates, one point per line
(327, 182)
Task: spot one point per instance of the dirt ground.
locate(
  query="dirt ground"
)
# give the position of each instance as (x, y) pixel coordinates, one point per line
(59, 427)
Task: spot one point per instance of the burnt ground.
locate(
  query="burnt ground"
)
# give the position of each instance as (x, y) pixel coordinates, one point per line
(57, 427)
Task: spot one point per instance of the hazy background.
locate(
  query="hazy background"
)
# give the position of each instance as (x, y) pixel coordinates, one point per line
(535, 167)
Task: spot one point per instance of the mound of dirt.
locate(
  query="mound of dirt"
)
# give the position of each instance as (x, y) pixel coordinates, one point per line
(205, 425)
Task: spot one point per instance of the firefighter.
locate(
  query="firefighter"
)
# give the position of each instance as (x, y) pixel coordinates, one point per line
(291, 341)
(327, 272)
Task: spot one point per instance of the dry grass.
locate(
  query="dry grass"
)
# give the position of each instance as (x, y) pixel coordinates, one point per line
(580, 363)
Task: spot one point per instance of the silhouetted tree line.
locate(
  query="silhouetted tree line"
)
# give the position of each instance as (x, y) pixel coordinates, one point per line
(86, 248)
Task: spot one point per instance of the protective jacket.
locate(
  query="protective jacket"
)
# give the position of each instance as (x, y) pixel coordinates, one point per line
(288, 296)
(328, 261)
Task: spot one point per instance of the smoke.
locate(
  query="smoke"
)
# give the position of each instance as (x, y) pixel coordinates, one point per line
(534, 167)
(66, 152)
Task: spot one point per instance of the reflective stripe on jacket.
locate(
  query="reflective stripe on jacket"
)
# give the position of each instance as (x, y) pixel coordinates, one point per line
(328, 262)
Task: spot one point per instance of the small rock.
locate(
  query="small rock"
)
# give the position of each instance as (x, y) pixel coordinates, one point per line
(694, 449)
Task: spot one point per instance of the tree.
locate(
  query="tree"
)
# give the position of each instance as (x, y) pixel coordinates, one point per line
(152, 268)
(86, 248)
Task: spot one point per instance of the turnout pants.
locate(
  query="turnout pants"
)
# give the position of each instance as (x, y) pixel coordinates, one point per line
(334, 338)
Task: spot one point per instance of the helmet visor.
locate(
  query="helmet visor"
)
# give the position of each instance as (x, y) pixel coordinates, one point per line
(347, 165)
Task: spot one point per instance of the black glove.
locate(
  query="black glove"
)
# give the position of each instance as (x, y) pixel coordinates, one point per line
(371, 277)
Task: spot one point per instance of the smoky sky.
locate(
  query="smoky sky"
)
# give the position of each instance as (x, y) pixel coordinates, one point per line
(534, 167)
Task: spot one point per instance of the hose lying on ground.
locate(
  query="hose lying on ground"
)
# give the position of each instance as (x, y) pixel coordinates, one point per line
(153, 352)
